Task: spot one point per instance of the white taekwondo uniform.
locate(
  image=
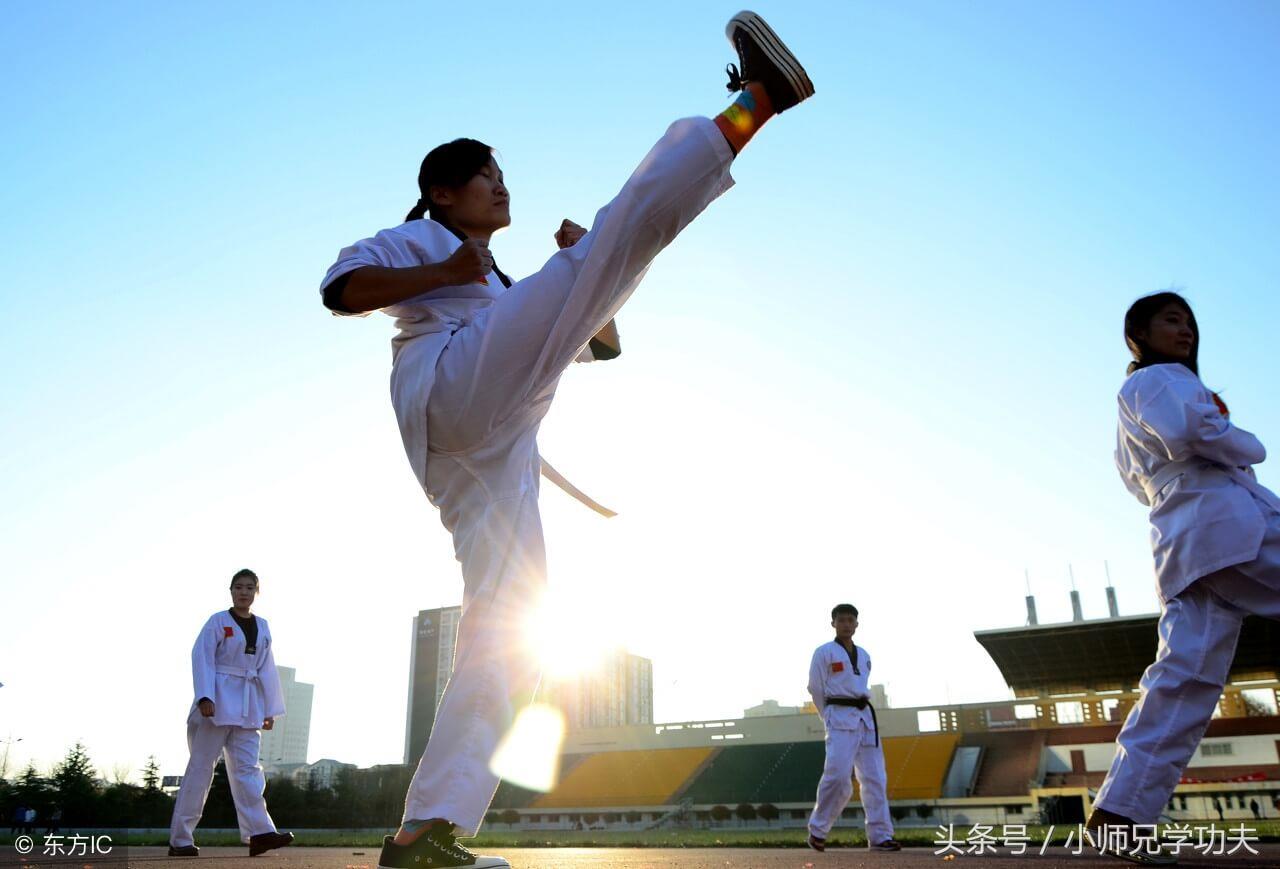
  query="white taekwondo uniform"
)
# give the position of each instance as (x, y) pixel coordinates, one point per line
(245, 689)
(1216, 540)
(474, 371)
(853, 742)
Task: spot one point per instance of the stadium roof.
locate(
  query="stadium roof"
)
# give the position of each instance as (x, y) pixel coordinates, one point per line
(1108, 653)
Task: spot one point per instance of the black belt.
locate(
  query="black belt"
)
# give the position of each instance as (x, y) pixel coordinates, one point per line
(857, 703)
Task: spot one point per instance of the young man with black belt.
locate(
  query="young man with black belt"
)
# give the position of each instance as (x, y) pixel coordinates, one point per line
(838, 684)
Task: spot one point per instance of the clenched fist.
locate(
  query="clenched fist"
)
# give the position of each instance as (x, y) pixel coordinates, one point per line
(569, 233)
(470, 263)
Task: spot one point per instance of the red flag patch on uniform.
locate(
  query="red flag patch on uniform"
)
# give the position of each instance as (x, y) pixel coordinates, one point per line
(837, 667)
(228, 632)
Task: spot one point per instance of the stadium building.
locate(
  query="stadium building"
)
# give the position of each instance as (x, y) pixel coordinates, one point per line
(1036, 758)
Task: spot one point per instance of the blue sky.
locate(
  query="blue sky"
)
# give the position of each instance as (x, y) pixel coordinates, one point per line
(881, 369)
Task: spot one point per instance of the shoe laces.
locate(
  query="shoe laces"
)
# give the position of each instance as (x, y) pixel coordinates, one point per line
(449, 844)
(736, 82)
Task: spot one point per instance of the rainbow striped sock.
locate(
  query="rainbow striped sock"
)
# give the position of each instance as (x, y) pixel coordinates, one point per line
(745, 115)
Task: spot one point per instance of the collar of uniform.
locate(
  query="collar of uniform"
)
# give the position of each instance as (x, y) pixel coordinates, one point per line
(852, 652)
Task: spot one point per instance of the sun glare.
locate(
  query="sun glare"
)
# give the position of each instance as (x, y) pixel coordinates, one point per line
(570, 637)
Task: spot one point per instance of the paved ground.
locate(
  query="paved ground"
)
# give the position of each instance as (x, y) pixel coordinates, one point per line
(649, 858)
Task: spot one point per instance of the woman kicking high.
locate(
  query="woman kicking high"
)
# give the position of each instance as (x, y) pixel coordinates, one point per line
(475, 368)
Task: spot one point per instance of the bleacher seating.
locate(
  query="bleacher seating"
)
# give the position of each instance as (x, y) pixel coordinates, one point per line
(917, 765)
(1010, 761)
(770, 773)
(779, 773)
(624, 778)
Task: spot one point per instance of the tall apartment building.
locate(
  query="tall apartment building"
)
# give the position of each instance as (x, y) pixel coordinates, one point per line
(435, 632)
(617, 694)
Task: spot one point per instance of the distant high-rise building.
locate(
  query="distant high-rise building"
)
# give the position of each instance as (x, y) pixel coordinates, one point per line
(286, 742)
(879, 698)
(617, 694)
(435, 633)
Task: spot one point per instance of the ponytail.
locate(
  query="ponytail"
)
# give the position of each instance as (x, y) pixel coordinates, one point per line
(418, 211)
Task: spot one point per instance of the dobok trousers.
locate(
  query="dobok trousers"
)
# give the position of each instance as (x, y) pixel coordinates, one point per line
(1198, 633)
(240, 746)
(850, 752)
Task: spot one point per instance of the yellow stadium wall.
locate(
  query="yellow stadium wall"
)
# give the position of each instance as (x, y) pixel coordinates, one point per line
(917, 765)
(625, 778)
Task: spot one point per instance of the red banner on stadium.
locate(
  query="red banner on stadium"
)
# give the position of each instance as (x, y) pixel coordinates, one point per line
(1249, 776)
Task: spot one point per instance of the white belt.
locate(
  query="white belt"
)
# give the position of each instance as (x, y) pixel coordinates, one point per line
(1165, 475)
(556, 477)
(1173, 470)
(249, 676)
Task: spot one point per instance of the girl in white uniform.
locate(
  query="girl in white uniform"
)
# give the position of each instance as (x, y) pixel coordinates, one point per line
(839, 683)
(1216, 541)
(475, 367)
(237, 693)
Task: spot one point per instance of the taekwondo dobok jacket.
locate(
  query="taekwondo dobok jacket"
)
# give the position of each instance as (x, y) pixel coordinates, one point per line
(426, 322)
(832, 674)
(244, 688)
(1179, 454)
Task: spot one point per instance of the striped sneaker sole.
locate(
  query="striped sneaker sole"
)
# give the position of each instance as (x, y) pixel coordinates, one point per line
(775, 49)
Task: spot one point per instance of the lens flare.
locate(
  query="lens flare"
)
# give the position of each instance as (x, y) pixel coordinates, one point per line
(529, 754)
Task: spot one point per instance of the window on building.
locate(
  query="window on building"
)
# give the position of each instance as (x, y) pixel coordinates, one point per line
(929, 721)
(1215, 749)
(1070, 712)
(1024, 711)
(1259, 701)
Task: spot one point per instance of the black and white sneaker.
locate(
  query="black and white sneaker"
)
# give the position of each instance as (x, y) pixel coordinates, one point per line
(434, 850)
(816, 843)
(763, 57)
(889, 844)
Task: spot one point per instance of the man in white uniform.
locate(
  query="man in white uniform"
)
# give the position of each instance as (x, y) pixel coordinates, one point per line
(838, 684)
(237, 692)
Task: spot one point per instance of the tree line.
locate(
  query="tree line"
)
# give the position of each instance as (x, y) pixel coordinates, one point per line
(74, 793)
